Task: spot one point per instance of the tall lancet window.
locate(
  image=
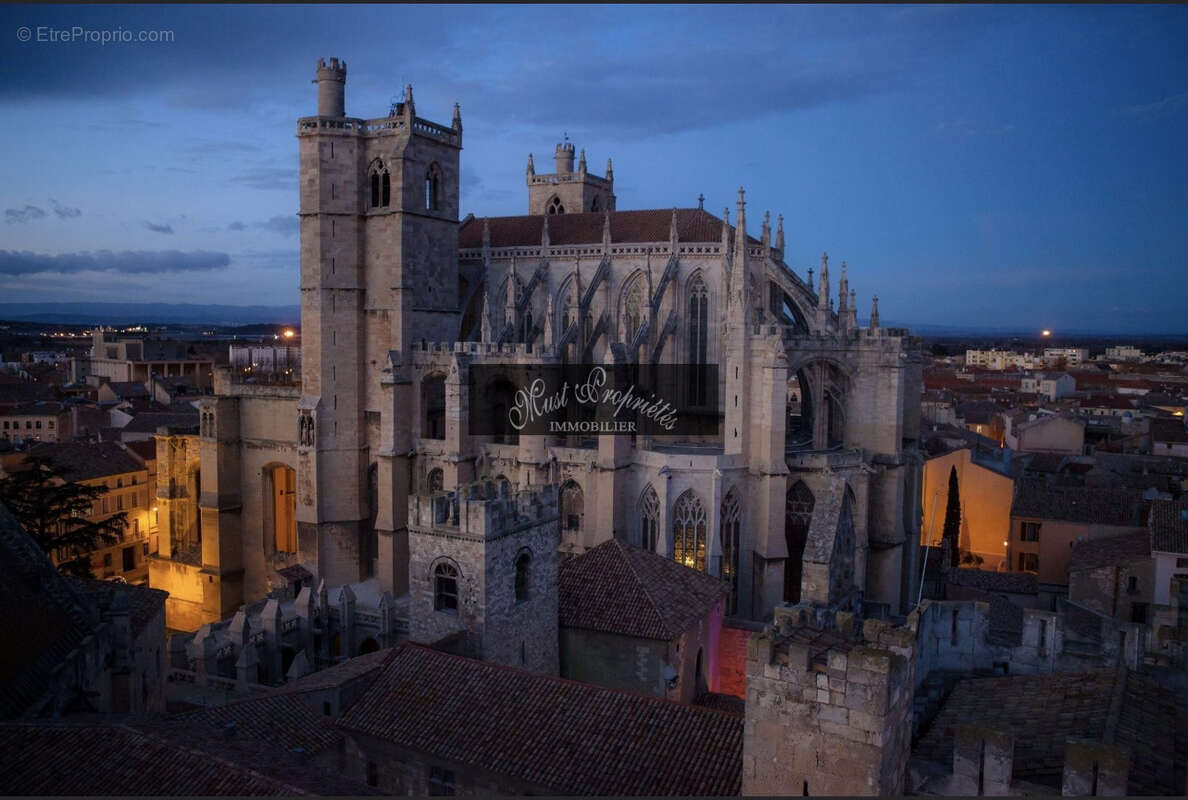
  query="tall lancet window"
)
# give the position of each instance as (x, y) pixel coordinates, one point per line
(698, 337)
(381, 185)
(689, 531)
(433, 188)
(731, 523)
(649, 520)
(633, 305)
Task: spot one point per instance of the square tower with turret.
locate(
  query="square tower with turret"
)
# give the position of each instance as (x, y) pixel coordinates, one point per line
(482, 577)
(569, 191)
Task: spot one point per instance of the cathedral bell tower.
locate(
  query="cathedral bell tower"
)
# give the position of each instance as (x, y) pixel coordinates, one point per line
(379, 248)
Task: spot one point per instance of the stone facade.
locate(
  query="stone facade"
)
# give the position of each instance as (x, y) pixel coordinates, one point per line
(827, 712)
(811, 486)
(483, 569)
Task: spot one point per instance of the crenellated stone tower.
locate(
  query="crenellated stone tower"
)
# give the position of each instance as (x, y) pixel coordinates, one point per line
(567, 191)
(379, 243)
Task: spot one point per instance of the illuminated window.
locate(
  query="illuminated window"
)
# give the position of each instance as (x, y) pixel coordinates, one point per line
(688, 531)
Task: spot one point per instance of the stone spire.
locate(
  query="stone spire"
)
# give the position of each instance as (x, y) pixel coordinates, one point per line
(874, 313)
(823, 283)
(843, 289)
(410, 110)
(673, 238)
(486, 233)
(485, 333)
(780, 233)
(726, 255)
(765, 237)
(544, 237)
(510, 302)
(610, 172)
(606, 233)
(531, 166)
(457, 123)
(700, 201)
(740, 234)
(550, 337)
(852, 310)
(582, 163)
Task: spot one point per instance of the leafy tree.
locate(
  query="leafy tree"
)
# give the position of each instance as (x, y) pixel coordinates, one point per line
(54, 511)
(972, 559)
(952, 529)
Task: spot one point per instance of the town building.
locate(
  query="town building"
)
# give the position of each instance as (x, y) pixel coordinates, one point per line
(125, 477)
(44, 421)
(1124, 352)
(1169, 549)
(1169, 437)
(1045, 433)
(632, 619)
(1061, 357)
(137, 359)
(1052, 385)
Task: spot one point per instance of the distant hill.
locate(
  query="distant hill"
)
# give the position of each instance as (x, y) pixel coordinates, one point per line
(132, 313)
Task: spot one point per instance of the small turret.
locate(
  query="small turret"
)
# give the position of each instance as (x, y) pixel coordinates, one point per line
(531, 167)
(874, 313)
(673, 238)
(780, 234)
(726, 235)
(740, 236)
(582, 163)
(564, 158)
(410, 110)
(823, 283)
(843, 289)
(331, 81)
(606, 232)
(457, 123)
(610, 173)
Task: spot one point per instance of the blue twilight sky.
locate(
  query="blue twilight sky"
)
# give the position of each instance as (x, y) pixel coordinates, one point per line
(998, 166)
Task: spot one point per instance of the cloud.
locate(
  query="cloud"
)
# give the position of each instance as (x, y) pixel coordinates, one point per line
(237, 226)
(139, 262)
(23, 215)
(1160, 108)
(64, 212)
(282, 178)
(285, 225)
(162, 228)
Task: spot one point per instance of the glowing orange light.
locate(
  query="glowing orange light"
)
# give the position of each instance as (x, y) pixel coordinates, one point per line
(1047, 332)
(289, 333)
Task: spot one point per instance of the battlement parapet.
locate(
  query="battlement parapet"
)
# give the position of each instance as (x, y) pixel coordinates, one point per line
(484, 509)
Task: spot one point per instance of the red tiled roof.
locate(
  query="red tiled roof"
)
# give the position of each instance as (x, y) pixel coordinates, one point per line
(82, 461)
(1169, 526)
(1094, 553)
(59, 759)
(560, 735)
(693, 225)
(618, 588)
(146, 449)
(1171, 430)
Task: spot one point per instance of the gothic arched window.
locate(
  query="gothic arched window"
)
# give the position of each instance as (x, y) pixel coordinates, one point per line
(649, 520)
(445, 588)
(731, 522)
(523, 574)
(436, 480)
(688, 531)
(381, 185)
(698, 333)
(433, 188)
(554, 206)
(633, 306)
(798, 515)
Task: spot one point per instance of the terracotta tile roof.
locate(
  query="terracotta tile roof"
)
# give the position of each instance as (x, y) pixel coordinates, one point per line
(144, 604)
(721, 702)
(1100, 506)
(94, 759)
(618, 588)
(1094, 553)
(1153, 726)
(562, 736)
(42, 408)
(88, 460)
(1009, 582)
(149, 421)
(1171, 430)
(331, 677)
(1169, 526)
(693, 225)
(1042, 711)
(40, 612)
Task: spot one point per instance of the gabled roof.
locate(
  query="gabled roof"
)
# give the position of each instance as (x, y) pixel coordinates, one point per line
(563, 736)
(1094, 553)
(1171, 430)
(87, 460)
(693, 225)
(1036, 498)
(149, 421)
(621, 589)
(127, 389)
(1169, 526)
